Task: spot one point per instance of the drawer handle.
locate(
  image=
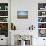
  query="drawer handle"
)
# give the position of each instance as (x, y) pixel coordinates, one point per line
(1, 39)
(43, 39)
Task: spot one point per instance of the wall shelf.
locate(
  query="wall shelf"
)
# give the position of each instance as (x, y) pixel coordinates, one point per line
(3, 10)
(42, 16)
(41, 22)
(3, 16)
(3, 22)
(41, 28)
(42, 10)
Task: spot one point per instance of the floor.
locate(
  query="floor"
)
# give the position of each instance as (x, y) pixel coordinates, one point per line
(3, 45)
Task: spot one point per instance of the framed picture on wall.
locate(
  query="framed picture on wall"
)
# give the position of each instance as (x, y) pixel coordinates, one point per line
(22, 14)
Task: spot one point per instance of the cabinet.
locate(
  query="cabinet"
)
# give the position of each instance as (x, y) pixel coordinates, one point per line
(42, 41)
(42, 19)
(4, 23)
(3, 40)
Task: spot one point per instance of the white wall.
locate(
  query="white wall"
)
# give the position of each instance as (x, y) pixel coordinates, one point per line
(23, 24)
(31, 6)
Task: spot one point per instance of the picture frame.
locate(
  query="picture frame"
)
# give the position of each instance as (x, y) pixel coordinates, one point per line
(22, 14)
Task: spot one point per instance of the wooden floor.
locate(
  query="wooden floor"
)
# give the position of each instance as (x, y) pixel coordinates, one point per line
(3, 45)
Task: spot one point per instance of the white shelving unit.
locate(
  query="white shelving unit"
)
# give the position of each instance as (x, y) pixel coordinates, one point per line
(42, 18)
(3, 20)
(4, 23)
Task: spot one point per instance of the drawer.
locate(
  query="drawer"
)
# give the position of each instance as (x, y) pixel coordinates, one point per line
(3, 41)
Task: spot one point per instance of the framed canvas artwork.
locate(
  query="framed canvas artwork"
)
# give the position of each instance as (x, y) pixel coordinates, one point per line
(22, 14)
